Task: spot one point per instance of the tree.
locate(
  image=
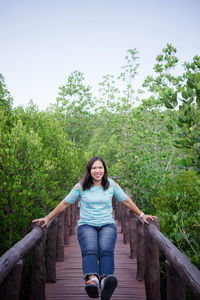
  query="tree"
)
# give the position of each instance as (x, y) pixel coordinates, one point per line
(6, 100)
(118, 94)
(183, 94)
(76, 105)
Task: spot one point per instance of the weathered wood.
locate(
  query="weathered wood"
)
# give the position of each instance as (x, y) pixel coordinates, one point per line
(73, 217)
(140, 249)
(76, 215)
(121, 208)
(175, 285)
(10, 288)
(67, 226)
(152, 266)
(132, 235)
(60, 238)
(72, 213)
(126, 236)
(115, 205)
(70, 283)
(38, 276)
(51, 247)
(187, 271)
(9, 259)
(122, 213)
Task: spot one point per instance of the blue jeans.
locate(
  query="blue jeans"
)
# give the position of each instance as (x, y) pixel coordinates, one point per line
(97, 247)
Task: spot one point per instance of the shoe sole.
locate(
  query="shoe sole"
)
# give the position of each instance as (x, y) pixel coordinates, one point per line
(92, 291)
(109, 287)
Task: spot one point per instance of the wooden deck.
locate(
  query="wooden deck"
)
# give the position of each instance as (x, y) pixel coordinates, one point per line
(70, 284)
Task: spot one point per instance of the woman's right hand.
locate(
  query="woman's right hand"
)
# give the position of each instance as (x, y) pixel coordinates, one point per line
(42, 221)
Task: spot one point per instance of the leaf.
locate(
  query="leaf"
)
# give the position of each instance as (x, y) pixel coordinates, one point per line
(168, 104)
(170, 128)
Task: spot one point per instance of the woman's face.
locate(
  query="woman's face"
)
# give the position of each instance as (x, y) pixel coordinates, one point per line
(97, 172)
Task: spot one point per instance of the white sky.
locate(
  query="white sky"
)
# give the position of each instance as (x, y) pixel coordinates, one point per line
(43, 41)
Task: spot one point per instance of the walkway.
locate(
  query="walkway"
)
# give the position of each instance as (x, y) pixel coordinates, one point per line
(69, 284)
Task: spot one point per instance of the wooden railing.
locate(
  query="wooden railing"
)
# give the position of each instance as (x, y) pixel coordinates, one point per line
(145, 243)
(47, 246)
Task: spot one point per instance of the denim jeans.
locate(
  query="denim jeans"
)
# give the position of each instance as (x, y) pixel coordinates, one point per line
(97, 247)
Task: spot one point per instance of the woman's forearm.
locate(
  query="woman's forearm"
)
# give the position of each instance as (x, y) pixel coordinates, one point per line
(132, 206)
(58, 209)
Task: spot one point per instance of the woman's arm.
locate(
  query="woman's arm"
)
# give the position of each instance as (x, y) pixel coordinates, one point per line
(57, 210)
(133, 207)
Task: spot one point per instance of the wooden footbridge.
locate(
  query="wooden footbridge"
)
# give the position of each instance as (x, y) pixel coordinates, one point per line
(70, 284)
(56, 262)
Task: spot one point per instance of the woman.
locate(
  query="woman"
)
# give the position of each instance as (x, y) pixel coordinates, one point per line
(96, 227)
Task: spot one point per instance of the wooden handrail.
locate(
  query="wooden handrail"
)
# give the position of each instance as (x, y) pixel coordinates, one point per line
(177, 264)
(9, 259)
(187, 271)
(145, 244)
(51, 247)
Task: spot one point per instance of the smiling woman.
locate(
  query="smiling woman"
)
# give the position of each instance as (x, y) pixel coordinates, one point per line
(96, 227)
(97, 172)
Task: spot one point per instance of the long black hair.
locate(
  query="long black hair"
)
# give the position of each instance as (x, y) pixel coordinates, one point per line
(87, 181)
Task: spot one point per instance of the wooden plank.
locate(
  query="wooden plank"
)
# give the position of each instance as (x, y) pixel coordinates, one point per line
(70, 283)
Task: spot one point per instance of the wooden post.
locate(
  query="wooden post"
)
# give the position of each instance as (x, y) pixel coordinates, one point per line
(60, 238)
(10, 288)
(78, 205)
(116, 209)
(76, 213)
(126, 238)
(51, 252)
(186, 270)
(152, 266)
(118, 212)
(38, 277)
(132, 234)
(72, 213)
(175, 285)
(9, 259)
(67, 226)
(114, 206)
(140, 249)
(122, 210)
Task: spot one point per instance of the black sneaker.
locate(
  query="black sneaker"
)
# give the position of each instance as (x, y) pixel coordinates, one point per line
(92, 289)
(110, 284)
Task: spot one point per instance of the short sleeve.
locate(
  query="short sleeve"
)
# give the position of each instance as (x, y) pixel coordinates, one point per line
(74, 194)
(119, 194)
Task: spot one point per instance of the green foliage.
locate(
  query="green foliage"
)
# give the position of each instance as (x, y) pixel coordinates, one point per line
(5, 98)
(117, 95)
(162, 85)
(75, 104)
(182, 91)
(5, 106)
(39, 164)
(43, 153)
(178, 206)
(74, 96)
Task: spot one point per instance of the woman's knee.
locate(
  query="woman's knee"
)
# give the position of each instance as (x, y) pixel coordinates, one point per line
(106, 252)
(107, 239)
(90, 251)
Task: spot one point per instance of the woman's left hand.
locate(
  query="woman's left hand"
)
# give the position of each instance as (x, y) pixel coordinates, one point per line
(145, 217)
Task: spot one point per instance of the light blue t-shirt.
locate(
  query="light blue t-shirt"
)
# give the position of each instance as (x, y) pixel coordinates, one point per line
(96, 203)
